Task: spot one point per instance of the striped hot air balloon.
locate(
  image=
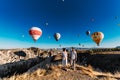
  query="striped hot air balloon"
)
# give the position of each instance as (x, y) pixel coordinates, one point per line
(97, 37)
(35, 33)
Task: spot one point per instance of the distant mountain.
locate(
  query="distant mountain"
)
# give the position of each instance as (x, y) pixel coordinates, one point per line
(78, 48)
(118, 47)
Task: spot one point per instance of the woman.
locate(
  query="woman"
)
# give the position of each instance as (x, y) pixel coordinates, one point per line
(64, 57)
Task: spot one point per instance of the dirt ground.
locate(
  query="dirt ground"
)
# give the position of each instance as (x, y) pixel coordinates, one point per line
(89, 66)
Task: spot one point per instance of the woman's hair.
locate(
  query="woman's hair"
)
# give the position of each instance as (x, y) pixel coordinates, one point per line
(72, 47)
(64, 49)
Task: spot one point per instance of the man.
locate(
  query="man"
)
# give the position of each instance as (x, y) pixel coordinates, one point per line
(73, 58)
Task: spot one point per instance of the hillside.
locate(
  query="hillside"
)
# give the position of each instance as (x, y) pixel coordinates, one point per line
(35, 64)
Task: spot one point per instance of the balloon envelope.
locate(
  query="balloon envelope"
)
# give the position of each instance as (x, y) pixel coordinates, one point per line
(118, 24)
(60, 45)
(97, 37)
(88, 33)
(92, 19)
(35, 33)
(116, 17)
(49, 37)
(46, 24)
(57, 36)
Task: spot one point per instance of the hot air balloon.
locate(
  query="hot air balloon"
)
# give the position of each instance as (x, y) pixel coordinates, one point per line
(23, 36)
(79, 44)
(46, 24)
(116, 17)
(49, 37)
(57, 36)
(97, 37)
(60, 45)
(35, 33)
(82, 45)
(78, 35)
(88, 33)
(118, 24)
(92, 19)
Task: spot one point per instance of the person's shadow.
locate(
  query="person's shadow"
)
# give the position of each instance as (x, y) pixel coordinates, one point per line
(104, 62)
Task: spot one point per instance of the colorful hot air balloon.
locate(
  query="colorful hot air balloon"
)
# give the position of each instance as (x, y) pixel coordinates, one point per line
(97, 37)
(35, 32)
(57, 36)
(88, 33)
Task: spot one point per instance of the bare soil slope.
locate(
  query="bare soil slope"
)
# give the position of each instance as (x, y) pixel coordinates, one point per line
(37, 65)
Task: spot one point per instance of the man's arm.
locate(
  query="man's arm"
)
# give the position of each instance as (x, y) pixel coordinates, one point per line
(76, 56)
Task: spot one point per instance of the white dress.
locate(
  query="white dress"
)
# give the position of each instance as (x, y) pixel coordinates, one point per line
(64, 58)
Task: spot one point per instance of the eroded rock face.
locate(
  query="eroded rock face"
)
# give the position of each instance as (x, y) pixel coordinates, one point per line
(17, 61)
(19, 67)
(14, 55)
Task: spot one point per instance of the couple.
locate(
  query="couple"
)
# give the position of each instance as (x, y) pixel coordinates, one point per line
(73, 58)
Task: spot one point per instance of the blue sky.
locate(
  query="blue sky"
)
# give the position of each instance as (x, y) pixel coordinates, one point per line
(69, 18)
